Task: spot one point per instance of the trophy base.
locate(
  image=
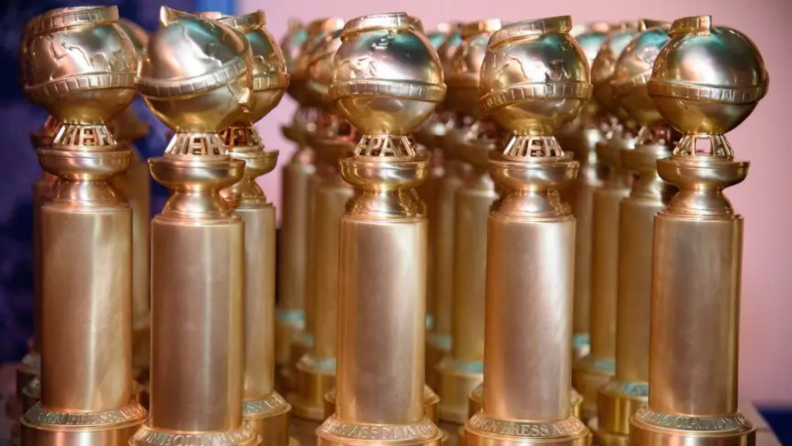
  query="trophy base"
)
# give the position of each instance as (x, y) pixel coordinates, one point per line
(149, 436)
(482, 430)
(650, 428)
(44, 427)
(438, 346)
(457, 380)
(269, 417)
(289, 325)
(617, 401)
(315, 377)
(588, 376)
(605, 438)
(334, 432)
(431, 403)
(474, 402)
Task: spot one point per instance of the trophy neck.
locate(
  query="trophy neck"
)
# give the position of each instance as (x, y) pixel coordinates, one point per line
(245, 144)
(651, 146)
(196, 167)
(702, 172)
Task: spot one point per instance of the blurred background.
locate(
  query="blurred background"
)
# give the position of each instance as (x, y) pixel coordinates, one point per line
(765, 356)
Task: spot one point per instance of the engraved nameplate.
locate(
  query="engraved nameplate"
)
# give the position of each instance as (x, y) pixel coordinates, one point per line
(736, 422)
(564, 428)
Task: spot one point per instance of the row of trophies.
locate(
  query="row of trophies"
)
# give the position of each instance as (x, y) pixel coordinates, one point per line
(555, 225)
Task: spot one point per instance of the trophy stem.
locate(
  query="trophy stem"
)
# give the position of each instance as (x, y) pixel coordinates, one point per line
(629, 389)
(316, 370)
(527, 396)
(382, 301)
(197, 286)
(695, 295)
(291, 340)
(86, 372)
(580, 196)
(462, 370)
(591, 372)
(263, 409)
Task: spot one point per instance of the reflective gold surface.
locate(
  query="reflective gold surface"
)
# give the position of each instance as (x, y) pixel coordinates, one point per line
(705, 81)
(629, 389)
(197, 76)
(530, 247)
(461, 371)
(444, 124)
(86, 305)
(333, 139)
(383, 236)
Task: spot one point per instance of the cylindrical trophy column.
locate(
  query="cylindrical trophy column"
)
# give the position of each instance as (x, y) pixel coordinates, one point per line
(595, 370)
(86, 233)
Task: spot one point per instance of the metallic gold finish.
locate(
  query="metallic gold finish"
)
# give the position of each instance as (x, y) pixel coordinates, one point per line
(198, 78)
(444, 125)
(580, 138)
(263, 409)
(461, 371)
(292, 260)
(431, 405)
(333, 139)
(534, 80)
(86, 330)
(705, 82)
(382, 270)
(629, 389)
(593, 371)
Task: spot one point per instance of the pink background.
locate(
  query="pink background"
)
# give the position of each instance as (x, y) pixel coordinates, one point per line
(765, 359)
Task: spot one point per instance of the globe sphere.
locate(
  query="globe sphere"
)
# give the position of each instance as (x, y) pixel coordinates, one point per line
(535, 78)
(463, 77)
(707, 79)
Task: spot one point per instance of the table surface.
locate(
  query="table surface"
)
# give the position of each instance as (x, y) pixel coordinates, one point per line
(303, 431)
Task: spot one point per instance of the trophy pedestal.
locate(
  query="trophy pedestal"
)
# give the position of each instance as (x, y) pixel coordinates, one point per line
(588, 376)
(315, 378)
(457, 380)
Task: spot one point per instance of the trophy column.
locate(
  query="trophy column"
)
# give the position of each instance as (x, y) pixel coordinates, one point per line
(531, 242)
(85, 230)
(383, 244)
(629, 389)
(198, 257)
(698, 239)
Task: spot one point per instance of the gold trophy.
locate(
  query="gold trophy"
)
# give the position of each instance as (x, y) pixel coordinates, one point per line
(333, 139)
(309, 114)
(706, 80)
(263, 408)
(292, 270)
(461, 371)
(135, 185)
(580, 138)
(629, 389)
(534, 80)
(80, 67)
(429, 136)
(197, 78)
(594, 370)
(387, 82)
(446, 119)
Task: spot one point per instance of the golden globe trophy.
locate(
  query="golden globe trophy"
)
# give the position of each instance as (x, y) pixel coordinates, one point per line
(705, 82)
(197, 78)
(461, 371)
(387, 82)
(535, 79)
(83, 81)
(293, 251)
(263, 408)
(629, 389)
(317, 30)
(333, 139)
(595, 369)
(580, 138)
(444, 127)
